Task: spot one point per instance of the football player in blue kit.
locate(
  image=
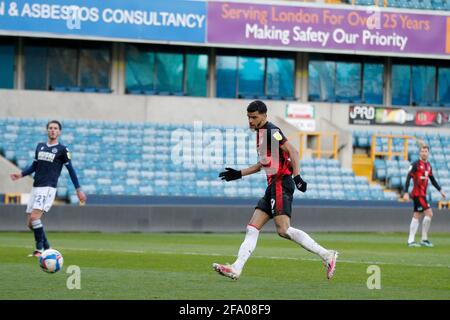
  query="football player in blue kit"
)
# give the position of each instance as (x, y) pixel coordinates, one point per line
(48, 161)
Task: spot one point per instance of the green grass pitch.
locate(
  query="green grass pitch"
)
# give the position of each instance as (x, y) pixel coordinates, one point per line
(175, 266)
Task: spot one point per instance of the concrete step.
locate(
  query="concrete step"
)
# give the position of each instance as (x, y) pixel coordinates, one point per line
(23, 185)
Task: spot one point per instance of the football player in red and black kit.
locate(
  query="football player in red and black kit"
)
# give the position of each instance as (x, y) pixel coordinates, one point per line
(280, 161)
(421, 172)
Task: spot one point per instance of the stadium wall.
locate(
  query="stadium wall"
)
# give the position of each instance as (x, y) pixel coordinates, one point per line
(166, 109)
(213, 218)
(9, 186)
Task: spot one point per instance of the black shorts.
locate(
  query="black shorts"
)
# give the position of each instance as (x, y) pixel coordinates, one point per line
(278, 197)
(420, 204)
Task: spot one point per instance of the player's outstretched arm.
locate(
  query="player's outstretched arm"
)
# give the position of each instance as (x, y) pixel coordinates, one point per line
(251, 170)
(81, 196)
(15, 176)
(406, 194)
(295, 159)
(24, 173)
(437, 186)
(73, 176)
(231, 174)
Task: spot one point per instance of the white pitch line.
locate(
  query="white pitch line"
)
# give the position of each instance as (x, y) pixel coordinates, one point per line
(257, 257)
(81, 249)
(310, 259)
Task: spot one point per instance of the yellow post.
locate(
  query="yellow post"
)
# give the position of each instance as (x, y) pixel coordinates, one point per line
(12, 198)
(301, 145)
(372, 147)
(443, 204)
(318, 146)
(405, 147)
(334, 146)
(317, 149)
(389, 148)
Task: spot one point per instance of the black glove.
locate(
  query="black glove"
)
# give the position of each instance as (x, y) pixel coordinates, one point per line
(300, 184)
(230, 174)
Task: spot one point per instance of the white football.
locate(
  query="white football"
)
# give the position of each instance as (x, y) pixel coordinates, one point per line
(51, 261)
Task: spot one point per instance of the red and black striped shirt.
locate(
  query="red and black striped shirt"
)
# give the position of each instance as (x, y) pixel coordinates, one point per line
(420, 172)
(275, 161)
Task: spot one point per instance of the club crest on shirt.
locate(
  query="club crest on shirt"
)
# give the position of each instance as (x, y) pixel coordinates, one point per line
(54, 150)
(277, 136)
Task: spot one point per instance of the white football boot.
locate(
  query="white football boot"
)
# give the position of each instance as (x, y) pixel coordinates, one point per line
(330, 263)
(226, 270)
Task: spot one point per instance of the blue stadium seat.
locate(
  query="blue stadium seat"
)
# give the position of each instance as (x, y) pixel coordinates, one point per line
(380, 173)
(352, 195)
(364, 194)
(361, 181)
(325, 194)
(415, 4)
(338, 194)
(313, 194)
(425, 4)
(59, 88)
(73, 199)
(321, 170)
(74, 89)
(104, 90)
(394, 182)
(61, 192)
(347, 172)
(89, 89)
(392, 3)
(389, 195)
(363, 140)
(314, 97)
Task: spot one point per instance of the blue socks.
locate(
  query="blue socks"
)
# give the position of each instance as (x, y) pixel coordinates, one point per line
(39, 234)
(46, 243)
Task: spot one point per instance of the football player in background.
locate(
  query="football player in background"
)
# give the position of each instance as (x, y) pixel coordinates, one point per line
(48, 161)
(421, 172)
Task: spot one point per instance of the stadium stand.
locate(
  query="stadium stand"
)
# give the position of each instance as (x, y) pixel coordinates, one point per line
(124, 158)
